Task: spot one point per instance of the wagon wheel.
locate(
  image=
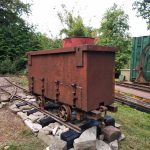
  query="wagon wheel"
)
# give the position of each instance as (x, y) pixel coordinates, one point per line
(64, 112)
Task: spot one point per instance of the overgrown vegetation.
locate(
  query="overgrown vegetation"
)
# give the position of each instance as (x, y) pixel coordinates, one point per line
(73, 25)
(114, 32)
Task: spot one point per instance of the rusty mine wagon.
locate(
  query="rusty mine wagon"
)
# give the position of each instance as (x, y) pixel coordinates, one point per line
(79, 78)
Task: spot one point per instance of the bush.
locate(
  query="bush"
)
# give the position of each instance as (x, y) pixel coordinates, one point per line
(7, 66)
(21, 63)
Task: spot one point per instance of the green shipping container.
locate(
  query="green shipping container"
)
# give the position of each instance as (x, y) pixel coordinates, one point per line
(138, 44)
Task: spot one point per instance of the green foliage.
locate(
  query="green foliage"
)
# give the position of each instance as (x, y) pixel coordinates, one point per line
(17, 37)
(113, 32)
(7, 66)
(73, 25)
(143, 9)
(11, 10)
(47, 43)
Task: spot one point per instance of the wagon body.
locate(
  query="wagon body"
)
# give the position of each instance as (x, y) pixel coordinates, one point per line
(82, 76)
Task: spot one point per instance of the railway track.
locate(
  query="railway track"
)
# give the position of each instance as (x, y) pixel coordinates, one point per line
(136, 86)
(132, 102)
(13, 96)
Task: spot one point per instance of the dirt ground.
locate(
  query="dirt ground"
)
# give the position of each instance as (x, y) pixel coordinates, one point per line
(10, 126)
(14, 133)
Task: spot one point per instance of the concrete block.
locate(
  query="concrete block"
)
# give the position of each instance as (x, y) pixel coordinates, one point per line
(14, 109)
(57, 144)
(22, 115)
(33, 118)
(25, 107)
(111, 133)
(87, 140)
(53, 142)
(114, 145)
(35, 127)
(101, 145)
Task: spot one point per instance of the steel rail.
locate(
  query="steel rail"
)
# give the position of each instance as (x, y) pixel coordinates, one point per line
(134, 86)
(25, 90)
(133, 103)
(56, 118)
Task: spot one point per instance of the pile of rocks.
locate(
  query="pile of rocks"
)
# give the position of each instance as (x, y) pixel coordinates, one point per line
(51, 133)
(107, 140)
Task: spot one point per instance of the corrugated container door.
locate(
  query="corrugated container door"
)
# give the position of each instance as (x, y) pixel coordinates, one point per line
(138, 44)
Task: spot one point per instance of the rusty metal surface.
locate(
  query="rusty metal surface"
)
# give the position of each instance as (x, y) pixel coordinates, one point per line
(73, 49)
(73, 41)
(85, 79)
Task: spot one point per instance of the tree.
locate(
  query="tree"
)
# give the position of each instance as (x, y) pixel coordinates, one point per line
(16, 36)
(48, 43)
(114, 32)
(73, 25)
(11, 10)
(143, 9)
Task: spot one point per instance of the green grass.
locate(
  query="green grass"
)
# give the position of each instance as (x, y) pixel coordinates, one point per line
(21, 80)
(135, 126)
(28, 141)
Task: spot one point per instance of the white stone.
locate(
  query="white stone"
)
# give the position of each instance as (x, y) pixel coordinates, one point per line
(30, 96)
(33, 118)
(4, 103)
(62, 127)
(47, 148)
(22, 115)
(55, 130)
(25, 107)
(37, 126)
(117, 125)
(6, 147)
(101, 137)
(12, 106)
(1, 105)
(53, 142)
(122, 137)
(101, 145)
(47, 130)
(87, 140)
(57, 144)
(60, 131)
(33, 126)
(114, 145)
(14, 109)
(51, 125)
(27, 99)
(56, 124)
(38, 113)
(40, 117)
(45, 138)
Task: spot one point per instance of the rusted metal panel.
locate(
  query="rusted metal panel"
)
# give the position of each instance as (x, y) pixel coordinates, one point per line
(69, 42)
(84, 79)
(100, 79)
